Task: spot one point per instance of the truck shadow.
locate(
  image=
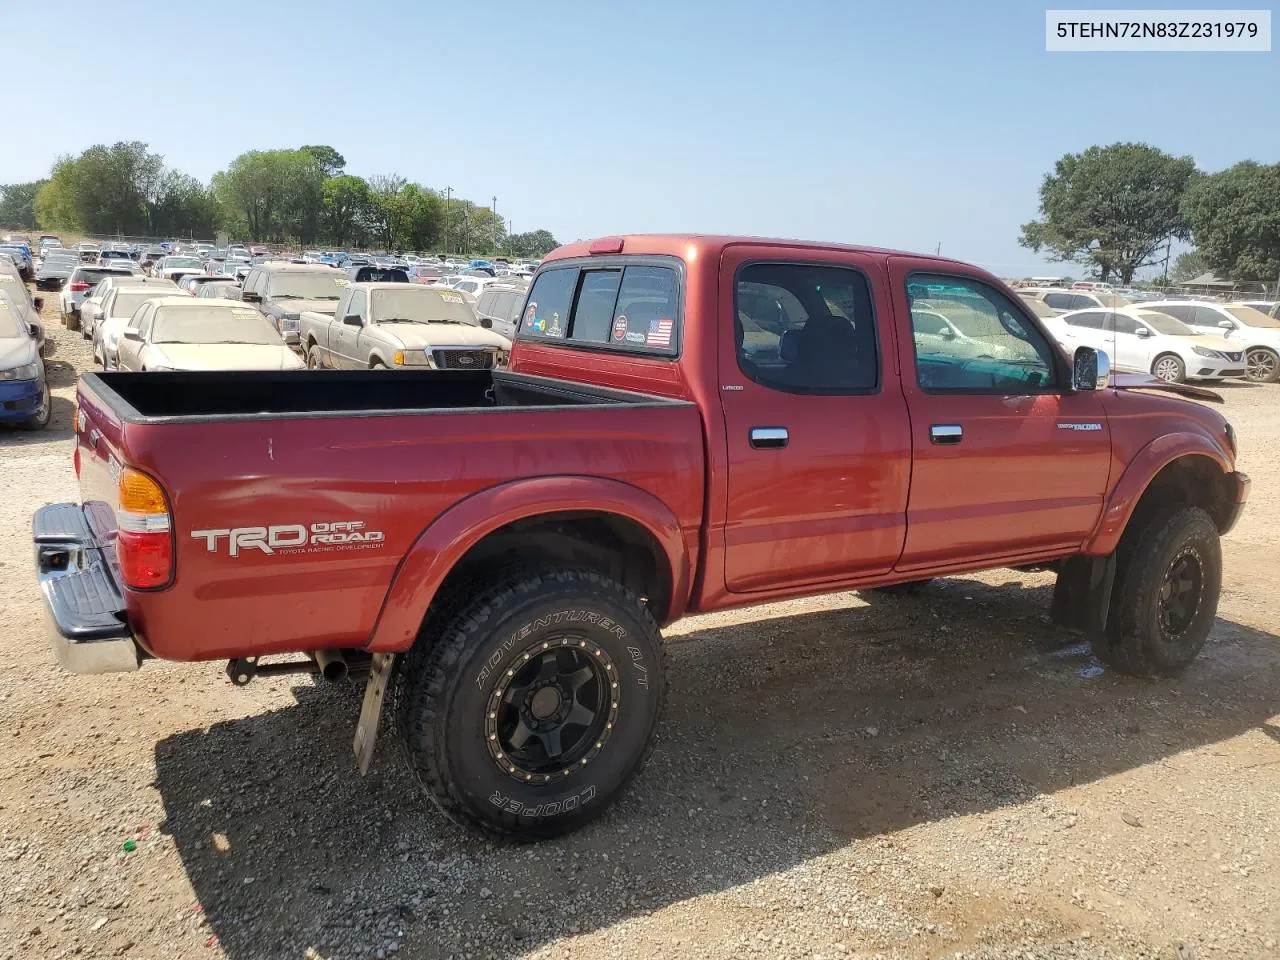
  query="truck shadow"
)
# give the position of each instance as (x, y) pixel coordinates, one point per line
(785, 737)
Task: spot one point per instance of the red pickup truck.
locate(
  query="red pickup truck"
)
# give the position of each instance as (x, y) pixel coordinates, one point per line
(689, 423)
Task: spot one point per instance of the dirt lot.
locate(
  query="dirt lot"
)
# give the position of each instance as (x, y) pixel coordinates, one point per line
(848, 777)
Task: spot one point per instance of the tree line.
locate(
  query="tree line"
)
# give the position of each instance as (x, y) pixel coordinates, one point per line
(1119, 208)
(302, 196)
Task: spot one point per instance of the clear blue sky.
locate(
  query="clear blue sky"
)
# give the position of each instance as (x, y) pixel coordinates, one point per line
(899, 124)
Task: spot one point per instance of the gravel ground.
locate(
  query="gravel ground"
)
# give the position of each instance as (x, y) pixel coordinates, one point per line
(943, 776)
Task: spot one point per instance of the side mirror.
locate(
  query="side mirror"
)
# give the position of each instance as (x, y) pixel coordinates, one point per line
(250, 296)
(351, 320)
(1091, 369)
(486, 323)
(38, 303)
(34, 330)
(948, 333)
(1226, 325)
(134, 335)
(1143, 333)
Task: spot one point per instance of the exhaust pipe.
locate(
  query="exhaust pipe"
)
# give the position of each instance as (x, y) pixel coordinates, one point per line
(332, 664)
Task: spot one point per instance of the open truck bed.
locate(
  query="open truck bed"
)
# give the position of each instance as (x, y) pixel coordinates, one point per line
(295, 499)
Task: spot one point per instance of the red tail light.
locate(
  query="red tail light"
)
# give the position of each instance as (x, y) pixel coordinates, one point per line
(79, 287)
(144, 535)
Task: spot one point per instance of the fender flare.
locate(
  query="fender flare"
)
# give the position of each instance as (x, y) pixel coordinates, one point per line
(451, 535)
(1144, 468)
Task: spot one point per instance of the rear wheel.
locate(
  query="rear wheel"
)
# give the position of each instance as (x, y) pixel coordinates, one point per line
(1169, 368)
(313, 362)
(1262, 365)
(532, 706)
(1165, 598)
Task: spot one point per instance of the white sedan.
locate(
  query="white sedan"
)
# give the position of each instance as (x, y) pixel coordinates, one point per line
(1148, 341)
(202, 333)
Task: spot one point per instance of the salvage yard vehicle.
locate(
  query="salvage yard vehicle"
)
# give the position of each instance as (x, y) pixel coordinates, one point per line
(91, 307)
(284, 290)
(1250, 330)
(118, 306)
(56, 266)
(400, 325)
(184, 333)
(81, 280)
(1148, 341)
(24, 391)
(499, 549)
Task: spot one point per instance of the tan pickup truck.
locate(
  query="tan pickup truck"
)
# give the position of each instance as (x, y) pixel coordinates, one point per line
(400, 325)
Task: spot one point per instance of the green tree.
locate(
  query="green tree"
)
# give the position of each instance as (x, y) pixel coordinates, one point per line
(276, 194)
(1188, 265)
(1112, 208)
(345, 211)
(538, 243)
(18, 204)
(331, 162)
(1235, 220)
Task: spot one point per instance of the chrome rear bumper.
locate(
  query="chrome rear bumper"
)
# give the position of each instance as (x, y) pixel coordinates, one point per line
(84, 608)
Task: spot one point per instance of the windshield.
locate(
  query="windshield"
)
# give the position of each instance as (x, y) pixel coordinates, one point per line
(1163, 323)
(1253, 318)
(10, 325)
(126, 304)
(305, 286)
(214, 323)
(422, 304)
(182, 262)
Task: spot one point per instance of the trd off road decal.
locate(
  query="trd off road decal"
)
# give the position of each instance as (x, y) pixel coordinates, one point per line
(290, 538)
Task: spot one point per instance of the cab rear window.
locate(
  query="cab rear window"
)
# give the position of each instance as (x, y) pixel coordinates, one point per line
(613, 306)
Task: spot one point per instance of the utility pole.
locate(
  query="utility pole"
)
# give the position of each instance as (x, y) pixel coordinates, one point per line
(493, 228)
(448, 192)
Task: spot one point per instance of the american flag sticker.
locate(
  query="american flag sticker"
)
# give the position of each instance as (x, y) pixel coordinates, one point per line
(659, 334)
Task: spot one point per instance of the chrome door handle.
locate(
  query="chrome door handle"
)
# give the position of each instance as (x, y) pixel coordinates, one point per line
(946, 433)
(769, 438)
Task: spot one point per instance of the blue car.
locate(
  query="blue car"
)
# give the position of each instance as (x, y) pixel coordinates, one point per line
(24, 391)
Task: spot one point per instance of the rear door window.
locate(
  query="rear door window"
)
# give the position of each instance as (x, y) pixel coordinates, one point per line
(615, 306)
(597, 293)
(547, 313)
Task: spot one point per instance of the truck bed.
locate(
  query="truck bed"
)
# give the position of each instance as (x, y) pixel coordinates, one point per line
(292, 393)
(393, 451)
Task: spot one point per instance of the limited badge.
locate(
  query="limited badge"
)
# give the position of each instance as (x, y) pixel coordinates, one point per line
(342, 282)
(620, 327)
(451, 297)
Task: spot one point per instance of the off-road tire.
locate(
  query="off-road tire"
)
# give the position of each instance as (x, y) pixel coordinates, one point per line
(444, 687)
(1136, 641)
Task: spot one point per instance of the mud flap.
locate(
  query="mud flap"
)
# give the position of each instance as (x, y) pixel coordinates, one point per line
(1082, 595)
(375, 692)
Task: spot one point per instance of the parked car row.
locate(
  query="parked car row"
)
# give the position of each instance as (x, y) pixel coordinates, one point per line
(1173, 340)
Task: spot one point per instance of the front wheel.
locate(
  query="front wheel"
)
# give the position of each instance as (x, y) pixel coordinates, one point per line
(529, 708)
(1169, 368)
(1168, 576)
(40, 419)
(1262, 365)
